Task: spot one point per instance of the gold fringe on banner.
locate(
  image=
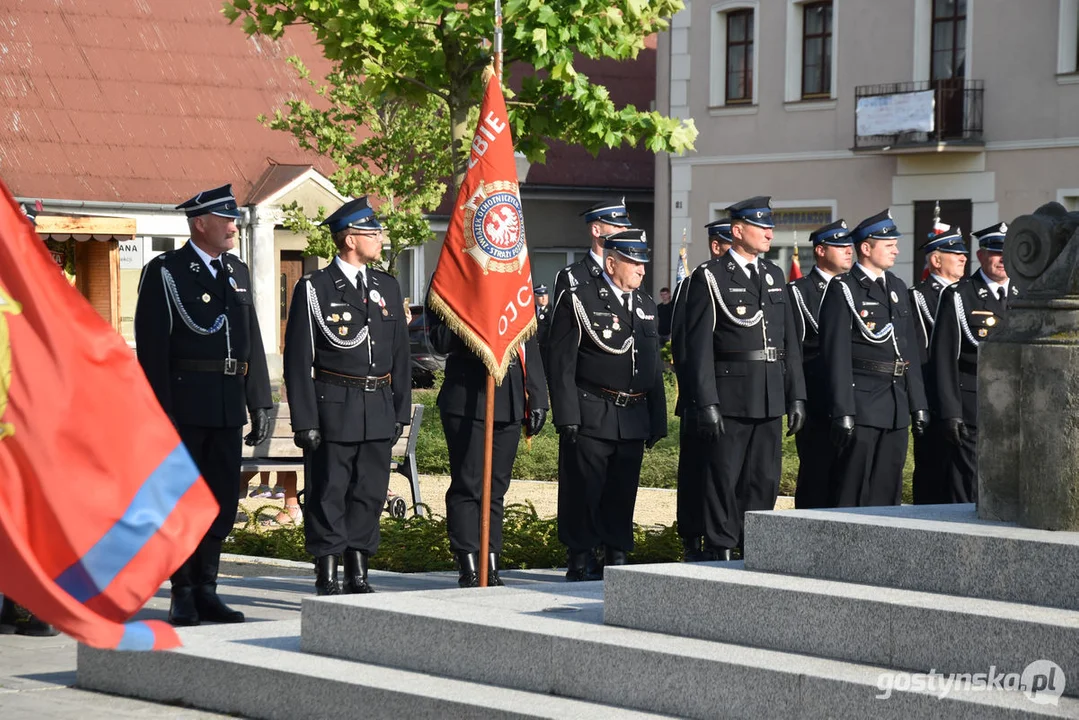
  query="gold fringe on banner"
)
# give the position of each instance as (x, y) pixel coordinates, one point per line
(497, 367)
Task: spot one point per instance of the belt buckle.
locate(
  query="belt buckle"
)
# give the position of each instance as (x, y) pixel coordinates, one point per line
(621, 399)
(231, 366)
(771, 354)
(900, 368)
(370, 384)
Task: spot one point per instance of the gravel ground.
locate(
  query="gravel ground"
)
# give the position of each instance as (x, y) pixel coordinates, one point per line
(655, 506)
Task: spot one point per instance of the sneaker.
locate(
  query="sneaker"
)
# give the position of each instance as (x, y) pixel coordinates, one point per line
(24, 622)
(278, 492)
(262, 491)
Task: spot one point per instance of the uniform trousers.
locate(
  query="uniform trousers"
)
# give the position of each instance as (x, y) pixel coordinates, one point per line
(346, 486)
(689, 510)
(815, 456)
(464, 442)
(216, 452)
(928, 482)
(743, 468)
(597, 491)
(959, 474)
(868, 472)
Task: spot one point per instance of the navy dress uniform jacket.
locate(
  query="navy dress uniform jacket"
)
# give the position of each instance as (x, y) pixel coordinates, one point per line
(806, 294)
(969, 313)
(464, 387)
(925, 297)
(682, 404)
(331, 328)
(847, 326)
(573, 274)
(714, 317)
(178, 301)
(588, 324)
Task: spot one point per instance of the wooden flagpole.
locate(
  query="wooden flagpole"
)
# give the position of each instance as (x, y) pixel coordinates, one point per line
(489, 417)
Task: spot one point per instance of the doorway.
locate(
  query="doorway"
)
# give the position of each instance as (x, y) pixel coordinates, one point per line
(291, 272)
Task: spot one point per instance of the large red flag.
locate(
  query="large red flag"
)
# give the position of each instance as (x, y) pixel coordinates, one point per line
(99, 500)
(796, 267)
(482, 286)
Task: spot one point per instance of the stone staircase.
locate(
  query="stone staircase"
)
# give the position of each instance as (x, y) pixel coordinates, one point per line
(831, 610)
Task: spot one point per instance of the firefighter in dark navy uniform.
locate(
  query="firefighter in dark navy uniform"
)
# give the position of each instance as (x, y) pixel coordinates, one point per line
(946, 258)
(607, 396)
(743, 371)
(689, 510)
(604, 218)
(869, 346)
(348, 375)
(199, 343)
(970, 311)
(521, 399)
(543, 317)
(833, 252)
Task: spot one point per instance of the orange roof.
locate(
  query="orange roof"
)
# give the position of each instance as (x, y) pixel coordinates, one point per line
(142, 100)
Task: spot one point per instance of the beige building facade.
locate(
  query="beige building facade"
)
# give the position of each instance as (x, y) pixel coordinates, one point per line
(846, 107)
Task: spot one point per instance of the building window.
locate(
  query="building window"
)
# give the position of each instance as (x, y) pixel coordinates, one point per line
(948, 54)
(817, 49)
(739, 56)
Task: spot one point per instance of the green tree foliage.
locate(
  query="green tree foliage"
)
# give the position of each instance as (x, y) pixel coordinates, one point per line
(390, 147)
(416, 49)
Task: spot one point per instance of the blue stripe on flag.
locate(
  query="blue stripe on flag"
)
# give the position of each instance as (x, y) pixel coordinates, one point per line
(148, 511)
(137, 636)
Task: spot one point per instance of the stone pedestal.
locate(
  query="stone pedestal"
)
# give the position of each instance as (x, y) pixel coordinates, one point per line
(1028, 381)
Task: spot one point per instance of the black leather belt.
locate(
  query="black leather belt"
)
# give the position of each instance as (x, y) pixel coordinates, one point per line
(619, 398)
(367, 383)
(766, 355)
(224, 367)
(896, 369)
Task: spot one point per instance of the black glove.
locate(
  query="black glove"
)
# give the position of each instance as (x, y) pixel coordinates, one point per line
(569, 432)
(842, 429)
(956, 431)
(652, 440)
(796, 417)
(398, 428)
(919, 422)
(307, 439)
(534, 422)
(709, 422)
(260, 427)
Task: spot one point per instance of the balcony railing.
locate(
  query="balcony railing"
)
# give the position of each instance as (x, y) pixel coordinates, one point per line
(918, 114)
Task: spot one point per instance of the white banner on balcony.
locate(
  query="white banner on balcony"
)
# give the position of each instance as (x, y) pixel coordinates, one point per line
(896, 113)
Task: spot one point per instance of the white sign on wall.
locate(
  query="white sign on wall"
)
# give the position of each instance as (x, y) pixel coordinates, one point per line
(130, 255)
(896, 113)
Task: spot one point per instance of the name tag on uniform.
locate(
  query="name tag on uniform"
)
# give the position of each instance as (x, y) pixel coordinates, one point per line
(734, 289)
(866, 303)
(333, 304)
(775, 289)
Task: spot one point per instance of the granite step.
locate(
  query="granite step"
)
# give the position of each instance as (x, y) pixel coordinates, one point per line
(903, 629)
(257, 671)
(942, 549)
(554, 642)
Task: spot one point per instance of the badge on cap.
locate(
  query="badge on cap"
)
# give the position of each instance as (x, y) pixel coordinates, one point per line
(375, 295)
(206, 297)
(232, 281)
(770, 281)
(895, 298)
(347, 316)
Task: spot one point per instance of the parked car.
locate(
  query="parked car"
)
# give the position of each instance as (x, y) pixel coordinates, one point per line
(425, 361)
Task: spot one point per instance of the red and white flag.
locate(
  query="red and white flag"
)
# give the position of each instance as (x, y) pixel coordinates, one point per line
(482, 286)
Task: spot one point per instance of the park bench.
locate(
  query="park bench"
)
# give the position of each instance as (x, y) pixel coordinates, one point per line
(279, 454)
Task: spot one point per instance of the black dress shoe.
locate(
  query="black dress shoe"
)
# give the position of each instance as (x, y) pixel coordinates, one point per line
(713, 554)
(17, 620)
(614, 556)
(691, 548)
(493, 580)
(468, 569)
(182, 609)
(356, 573)
(212, 609)
(7, 617)
(326, 582)
(580, 566)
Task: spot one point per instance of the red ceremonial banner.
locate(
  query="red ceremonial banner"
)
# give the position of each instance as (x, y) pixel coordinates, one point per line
(99, 499)
(482, 286)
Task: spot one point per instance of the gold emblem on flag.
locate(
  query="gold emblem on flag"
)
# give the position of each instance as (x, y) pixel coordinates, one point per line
(7, 306)
(494, 227)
